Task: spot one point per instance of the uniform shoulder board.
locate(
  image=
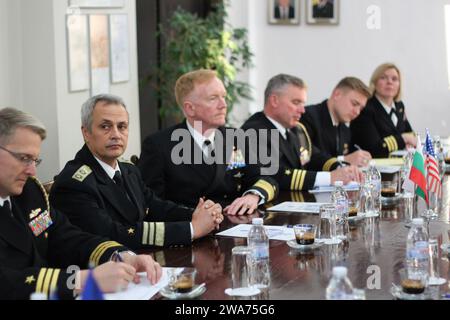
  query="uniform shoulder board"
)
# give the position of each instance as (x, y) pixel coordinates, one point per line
(44, 193)
(123, 160)
(82, 173)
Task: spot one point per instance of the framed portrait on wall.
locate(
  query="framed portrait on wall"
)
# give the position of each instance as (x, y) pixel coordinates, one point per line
(284, 12)
(78, 52)
(322, 11)
(96, 3)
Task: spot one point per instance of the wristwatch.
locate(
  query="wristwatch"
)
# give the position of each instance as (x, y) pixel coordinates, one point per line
(117, 255)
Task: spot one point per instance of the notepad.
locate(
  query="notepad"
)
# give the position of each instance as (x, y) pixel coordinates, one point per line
(386, 162)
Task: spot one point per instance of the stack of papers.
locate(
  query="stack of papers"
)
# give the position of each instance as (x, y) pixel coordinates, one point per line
(142, 291)
(352, 186)
(289, 206)
(274, 232)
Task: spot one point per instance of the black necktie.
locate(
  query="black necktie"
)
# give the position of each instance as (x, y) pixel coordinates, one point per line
(7, 206)
(393, 116)
(119, 181)
(291, 139)
(207, 145)
(338, 139)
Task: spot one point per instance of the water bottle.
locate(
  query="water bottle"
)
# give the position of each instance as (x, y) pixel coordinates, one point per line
(373, 177)
(340, 287)
(258, 241)
(417, 251)
(339, 198)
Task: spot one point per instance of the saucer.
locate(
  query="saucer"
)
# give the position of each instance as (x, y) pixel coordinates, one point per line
(445, 247)
(398, 293)
(294, 245)
(242, 292)
(390, 200)
(194, 293)
(359, 216)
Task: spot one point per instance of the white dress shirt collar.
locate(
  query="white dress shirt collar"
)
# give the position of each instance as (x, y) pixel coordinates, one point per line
(385, 106)
(279, 126)
(2, 200)
(110, 171)
(199, 138)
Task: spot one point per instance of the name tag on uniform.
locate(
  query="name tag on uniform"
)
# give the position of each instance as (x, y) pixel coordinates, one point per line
(41, 223)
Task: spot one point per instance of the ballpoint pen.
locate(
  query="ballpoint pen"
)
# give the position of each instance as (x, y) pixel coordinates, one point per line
(357, 147)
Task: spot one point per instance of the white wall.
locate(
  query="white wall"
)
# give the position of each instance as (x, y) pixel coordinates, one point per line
(33, 75)
(412, 35)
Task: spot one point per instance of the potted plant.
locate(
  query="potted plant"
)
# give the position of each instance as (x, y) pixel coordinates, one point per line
(190, 42)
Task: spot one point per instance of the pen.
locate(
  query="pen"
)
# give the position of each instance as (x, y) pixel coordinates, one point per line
(357, 147)
(116, 257)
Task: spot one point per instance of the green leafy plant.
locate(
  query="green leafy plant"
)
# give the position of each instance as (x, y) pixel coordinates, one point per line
(191, 42)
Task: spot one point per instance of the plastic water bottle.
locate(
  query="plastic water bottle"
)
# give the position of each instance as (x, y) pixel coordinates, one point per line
(339, 197)
(373, 176)
(417, 251)
(340, 287)
(258, 241)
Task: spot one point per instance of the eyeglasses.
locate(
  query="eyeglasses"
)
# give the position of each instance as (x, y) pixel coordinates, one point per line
(24, 158)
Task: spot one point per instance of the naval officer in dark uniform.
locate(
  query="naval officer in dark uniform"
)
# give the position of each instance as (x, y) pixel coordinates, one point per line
(40, 251)
(105, 196)
(382, 127)
(328, 123)
(301, 165)
(200, 156)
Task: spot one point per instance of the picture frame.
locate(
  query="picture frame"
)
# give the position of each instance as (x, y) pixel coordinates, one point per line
(99, 53)
(97, 3)
(119, 48)
(284, 12)
(322, 12)
(77, 52)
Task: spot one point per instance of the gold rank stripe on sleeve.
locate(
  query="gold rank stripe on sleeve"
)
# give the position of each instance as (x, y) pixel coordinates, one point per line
(267, 187)
(297, 180)
(327, 165)
(47, 280)
(100, 250)
(297, 196)
(153, 233)
(391, 143)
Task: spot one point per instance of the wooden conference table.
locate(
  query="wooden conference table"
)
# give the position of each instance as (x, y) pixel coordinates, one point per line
(372, 243)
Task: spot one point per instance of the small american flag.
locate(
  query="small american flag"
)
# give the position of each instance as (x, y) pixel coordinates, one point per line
(433, 178)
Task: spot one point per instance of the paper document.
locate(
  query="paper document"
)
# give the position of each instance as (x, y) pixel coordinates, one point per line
(388, 169)
(388, 162)
(274, 232)
(352, 186)
(142, 291)
(398, 153)
(289, 206)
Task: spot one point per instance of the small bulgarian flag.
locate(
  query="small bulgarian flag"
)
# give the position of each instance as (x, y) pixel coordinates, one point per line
(417, 174)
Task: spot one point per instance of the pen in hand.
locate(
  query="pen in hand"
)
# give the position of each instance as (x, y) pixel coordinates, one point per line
(357, 147)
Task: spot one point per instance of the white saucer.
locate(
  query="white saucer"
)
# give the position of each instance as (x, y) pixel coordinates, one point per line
(445, 248)
(294, 245)
(391, 200)
(359, 216)
(398, 293)
(194, 293)
(242, 292)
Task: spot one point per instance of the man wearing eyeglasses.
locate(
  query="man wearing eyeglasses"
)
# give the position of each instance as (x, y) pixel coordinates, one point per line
(38, 246)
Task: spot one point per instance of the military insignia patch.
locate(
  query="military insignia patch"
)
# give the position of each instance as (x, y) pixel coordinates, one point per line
(41, 223)
(82, 173)
(34, 213)
(30, 280)
(304, 156)
(236, 160)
